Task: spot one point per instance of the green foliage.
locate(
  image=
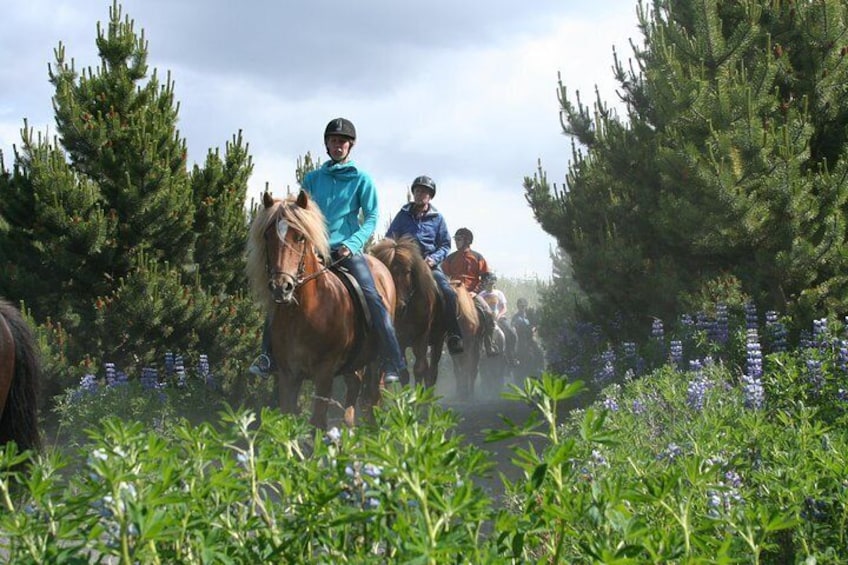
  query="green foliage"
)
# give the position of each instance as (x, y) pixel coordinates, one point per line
(257, 491)
(109, 242)
(676, 466)
(729, 162)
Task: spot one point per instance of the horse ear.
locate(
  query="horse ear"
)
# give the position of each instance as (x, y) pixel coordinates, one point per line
(303, 199)
(267, 200)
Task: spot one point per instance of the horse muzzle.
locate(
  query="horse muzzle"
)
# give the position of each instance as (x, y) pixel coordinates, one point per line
(282, 288)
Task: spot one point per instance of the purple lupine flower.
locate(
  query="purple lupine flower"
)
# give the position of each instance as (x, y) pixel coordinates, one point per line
(714, 503)
(638, 406)
(672, 452)
(754, 354)
(805, 341)
(815, 375)
(110, 374)
(149, 378)
(752, 379)
(776, 332)
(204, 371)
(89, 383)
(611, 404)
(333, 436)
(169, 363)
(842, 355)
(751, 321)
(606, 373)
(732, 478)
(676, 353)
(121, 378)
(696, 392)
(598, 459)
(657, 331)
(179, 370)
(819, 339)
(722, 323)
(634, 363)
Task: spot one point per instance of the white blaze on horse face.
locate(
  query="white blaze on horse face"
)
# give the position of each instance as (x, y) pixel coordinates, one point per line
(282, 228)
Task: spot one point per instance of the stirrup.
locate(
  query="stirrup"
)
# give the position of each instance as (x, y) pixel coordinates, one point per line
(261, 366)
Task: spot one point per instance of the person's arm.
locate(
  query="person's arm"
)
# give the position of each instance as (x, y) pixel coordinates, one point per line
(368, 206)
(482, 267)
(443, 243)
(394, 230)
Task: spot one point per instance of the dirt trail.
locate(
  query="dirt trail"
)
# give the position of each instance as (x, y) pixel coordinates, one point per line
(485, 412)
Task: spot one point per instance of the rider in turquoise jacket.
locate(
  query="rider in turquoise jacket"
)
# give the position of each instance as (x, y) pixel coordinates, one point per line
(342, 191)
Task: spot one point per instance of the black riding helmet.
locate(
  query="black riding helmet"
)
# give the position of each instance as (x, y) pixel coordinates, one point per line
(342, 127)
(466, 233)
(487, 278)
(427, 183)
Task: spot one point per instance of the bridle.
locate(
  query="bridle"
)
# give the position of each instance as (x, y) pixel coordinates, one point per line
(297, 280)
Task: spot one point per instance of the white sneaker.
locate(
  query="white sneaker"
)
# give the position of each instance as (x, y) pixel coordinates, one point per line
(261, 366)
(391, 378)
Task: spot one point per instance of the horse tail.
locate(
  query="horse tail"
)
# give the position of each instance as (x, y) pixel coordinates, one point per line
(19, 422)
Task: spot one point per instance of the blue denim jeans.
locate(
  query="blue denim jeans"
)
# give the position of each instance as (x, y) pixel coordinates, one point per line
(449, 294)
(389, 349)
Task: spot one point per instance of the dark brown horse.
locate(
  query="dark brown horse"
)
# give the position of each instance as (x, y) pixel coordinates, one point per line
(315, 324)
(419, 320)
(20, 377)
(466, 365)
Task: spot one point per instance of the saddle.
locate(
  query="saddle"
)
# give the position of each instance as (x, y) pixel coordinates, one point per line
(363, 315)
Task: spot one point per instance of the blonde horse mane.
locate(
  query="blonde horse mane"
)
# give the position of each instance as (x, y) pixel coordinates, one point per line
(302, 214)
(406, 251)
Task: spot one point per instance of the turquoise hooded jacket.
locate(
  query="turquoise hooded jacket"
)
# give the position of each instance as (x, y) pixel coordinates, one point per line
(342, 190)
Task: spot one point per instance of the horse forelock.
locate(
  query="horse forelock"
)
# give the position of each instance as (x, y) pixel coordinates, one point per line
(406, 252)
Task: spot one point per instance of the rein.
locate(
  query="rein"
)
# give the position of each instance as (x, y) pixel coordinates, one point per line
(299, 280)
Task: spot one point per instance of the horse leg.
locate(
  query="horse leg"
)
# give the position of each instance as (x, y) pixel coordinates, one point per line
(323, 391)
(289, 389)
(435, 359)
(421, 367)
(353, 384)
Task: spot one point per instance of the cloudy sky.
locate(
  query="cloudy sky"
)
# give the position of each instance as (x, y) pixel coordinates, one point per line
(462, 91)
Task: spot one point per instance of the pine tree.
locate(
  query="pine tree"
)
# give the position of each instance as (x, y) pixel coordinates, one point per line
(106, 233)
(731, 161)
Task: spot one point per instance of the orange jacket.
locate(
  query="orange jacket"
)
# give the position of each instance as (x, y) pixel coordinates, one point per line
(466, 266)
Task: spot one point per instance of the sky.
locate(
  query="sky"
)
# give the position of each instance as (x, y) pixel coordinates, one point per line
(465, 92)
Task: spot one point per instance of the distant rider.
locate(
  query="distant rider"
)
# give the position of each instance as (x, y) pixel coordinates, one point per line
(496, 300)
(467, 265)
(422, 221)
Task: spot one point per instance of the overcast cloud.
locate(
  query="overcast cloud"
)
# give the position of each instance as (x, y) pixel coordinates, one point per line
(462, 91)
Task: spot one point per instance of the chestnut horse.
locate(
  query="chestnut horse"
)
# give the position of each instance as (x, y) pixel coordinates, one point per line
(20, 377)
(419, 320)
(315, 323)
(466, 364)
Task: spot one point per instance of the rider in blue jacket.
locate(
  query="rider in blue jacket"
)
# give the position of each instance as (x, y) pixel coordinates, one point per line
(421, 220)
(342, 190)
